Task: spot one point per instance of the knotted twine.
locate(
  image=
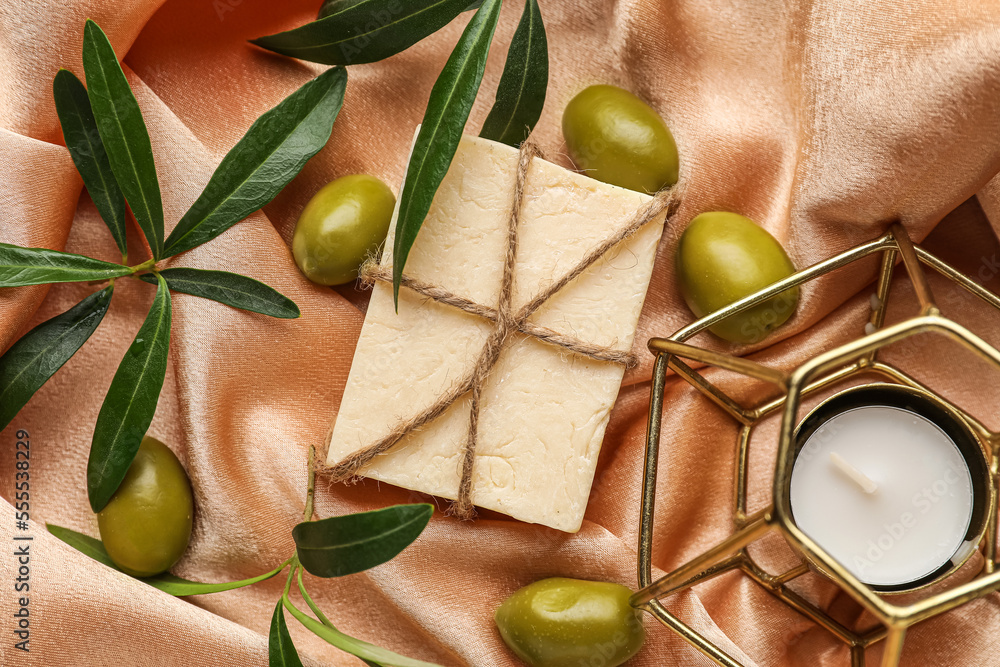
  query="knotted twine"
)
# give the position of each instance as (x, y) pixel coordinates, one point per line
(507, 324)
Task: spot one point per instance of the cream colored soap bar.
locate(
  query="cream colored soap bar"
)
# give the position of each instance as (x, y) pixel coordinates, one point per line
(544, 409)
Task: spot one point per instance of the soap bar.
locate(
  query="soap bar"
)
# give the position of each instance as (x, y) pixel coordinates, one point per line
(543, 409)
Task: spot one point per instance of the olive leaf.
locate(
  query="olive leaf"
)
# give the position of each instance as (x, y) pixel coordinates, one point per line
(363, 31)
(231, 289)
(362, 649)
(270, 154)
(343, 545)
(334, 6)
(280, 649)
(521, 93)
(38, 354)
(179, 587)
(166, 582)
(130, 403)
(37, 266)
(87, 150)
(448, 109)
(124, 134)
(85, 544)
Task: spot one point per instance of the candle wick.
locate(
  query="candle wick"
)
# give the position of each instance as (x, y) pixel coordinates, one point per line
(858, 477)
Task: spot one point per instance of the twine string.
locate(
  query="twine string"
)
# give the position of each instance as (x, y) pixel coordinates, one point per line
(506, 325)
(372, 273)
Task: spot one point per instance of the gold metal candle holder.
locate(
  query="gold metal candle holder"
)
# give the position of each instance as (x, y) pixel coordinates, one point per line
(824, 371)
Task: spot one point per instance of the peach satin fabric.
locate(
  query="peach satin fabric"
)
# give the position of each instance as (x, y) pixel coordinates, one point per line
(821, 120)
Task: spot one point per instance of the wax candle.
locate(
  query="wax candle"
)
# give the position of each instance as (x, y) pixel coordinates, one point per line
(886, 490)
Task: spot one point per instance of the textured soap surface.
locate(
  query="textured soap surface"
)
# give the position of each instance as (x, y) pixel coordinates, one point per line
(543, 409)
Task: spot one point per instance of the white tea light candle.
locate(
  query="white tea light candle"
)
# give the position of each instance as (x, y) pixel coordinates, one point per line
(885, 489)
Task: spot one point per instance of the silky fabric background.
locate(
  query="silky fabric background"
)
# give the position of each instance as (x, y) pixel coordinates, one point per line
(820, 120)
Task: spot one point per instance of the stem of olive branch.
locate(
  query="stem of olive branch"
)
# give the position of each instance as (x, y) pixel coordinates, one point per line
(312, 605)
(291, 576)
(294, 560)
(285, 599)
(311, 490)
(145, 266)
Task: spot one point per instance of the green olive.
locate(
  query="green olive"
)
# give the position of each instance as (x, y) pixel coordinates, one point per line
(565, 622)
(340, 227)
(723, 257)
(617, 138)
(147, 524)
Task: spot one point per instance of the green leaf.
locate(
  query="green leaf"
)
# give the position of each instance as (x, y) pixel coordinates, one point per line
(124, 134)
(37, 266)
(166, 582)
(447, 111)
(343, 545)
(231, 289)
(130, 403)
(179, 587)
(363, 31)
(521, 93)
(280, 649)
(270, 154)
(87, 150)
(361, 649)
(85, 544)
(334, 6)
(36, 357)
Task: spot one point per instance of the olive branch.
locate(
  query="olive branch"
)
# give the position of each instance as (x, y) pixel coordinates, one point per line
(333, 547)
(109, 144)
(108, 141)
(350, 32)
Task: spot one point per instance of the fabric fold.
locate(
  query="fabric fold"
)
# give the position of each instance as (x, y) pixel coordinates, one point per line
(822, 120)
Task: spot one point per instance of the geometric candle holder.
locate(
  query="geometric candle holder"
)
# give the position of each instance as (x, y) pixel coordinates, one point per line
(822, 372)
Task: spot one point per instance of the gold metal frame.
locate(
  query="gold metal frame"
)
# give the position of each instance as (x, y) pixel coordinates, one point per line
(856, 358)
